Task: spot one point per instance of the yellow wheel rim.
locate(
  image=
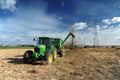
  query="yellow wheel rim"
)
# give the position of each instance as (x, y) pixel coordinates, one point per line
(50, 58)
(55, 54)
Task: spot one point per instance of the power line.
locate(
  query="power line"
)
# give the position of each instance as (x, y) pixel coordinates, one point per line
(95, 30)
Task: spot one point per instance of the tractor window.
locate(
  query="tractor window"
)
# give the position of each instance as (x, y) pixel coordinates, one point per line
(40, 41)
(43, 41)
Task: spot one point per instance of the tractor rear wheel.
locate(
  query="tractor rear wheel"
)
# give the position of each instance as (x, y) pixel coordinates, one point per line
(28, 57)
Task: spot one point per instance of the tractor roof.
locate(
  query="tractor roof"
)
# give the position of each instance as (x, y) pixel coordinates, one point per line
(44, 37)
(48, 38)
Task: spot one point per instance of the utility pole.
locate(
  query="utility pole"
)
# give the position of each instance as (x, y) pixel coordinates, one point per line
(95, 34)
(72, 38)
(84, 40)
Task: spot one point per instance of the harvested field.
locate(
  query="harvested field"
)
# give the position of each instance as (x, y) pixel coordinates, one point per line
(76, 64)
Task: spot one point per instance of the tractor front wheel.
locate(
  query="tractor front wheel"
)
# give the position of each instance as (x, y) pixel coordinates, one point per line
(49, 57)
(28, 57)
(54, 54)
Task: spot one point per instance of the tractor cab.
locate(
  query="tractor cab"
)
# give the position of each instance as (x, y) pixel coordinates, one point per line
(46, 41)
(42, 40)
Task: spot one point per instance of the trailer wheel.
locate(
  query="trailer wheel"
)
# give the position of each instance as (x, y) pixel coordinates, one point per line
(28, 57)
(61, 53)
(54, 54)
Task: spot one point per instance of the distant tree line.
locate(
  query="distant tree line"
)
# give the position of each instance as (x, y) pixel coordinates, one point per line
(25, 45)
(17, 46)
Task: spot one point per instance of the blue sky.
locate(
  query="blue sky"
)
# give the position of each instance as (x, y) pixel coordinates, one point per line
(22, 20)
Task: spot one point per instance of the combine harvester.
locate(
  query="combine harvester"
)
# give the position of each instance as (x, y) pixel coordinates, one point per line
(46, 49)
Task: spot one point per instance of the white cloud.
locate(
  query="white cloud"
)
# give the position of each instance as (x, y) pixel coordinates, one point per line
(27, 25)
(98, 27)
(29, 20)
(116, 20)
(78, 26)
(107, 21)
(111, 21)
(14, 39)
(8, 5)
(109, 36)
(104, 27)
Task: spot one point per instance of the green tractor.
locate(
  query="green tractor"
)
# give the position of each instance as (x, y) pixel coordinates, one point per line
(45, 49)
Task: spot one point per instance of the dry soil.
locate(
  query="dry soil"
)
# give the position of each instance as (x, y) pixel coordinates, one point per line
(76, 64)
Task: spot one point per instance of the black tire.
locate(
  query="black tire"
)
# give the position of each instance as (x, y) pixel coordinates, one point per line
(28, 57)
(61, 53)
(49, 57)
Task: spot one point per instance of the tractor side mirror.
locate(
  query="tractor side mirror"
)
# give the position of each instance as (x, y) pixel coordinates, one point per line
(33, 39)
(36, 38)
